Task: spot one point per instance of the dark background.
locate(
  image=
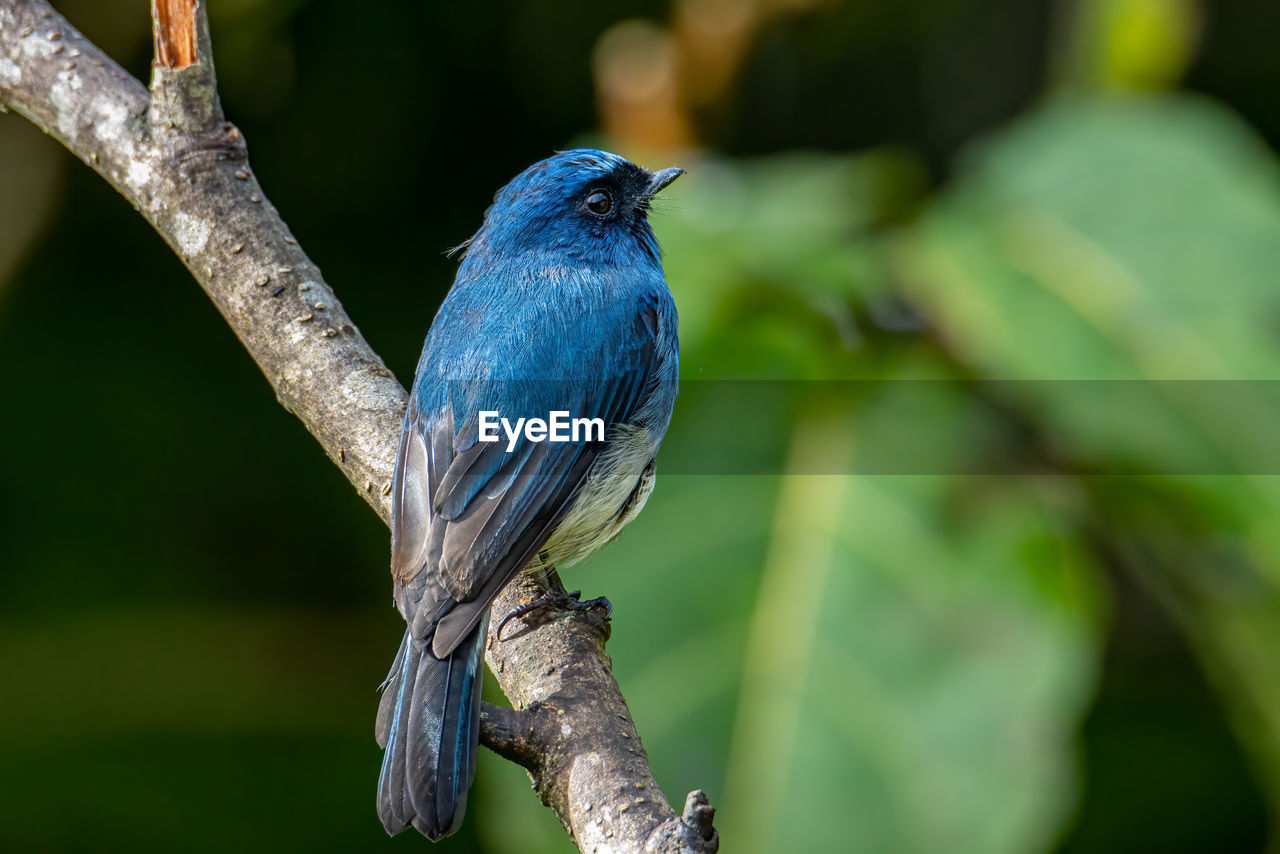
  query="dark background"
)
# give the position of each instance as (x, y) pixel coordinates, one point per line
(194, 605)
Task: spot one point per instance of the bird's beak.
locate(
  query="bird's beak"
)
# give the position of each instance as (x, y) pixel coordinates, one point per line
(662, 178)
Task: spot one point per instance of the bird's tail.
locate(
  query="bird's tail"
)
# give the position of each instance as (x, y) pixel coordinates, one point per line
(429, 729)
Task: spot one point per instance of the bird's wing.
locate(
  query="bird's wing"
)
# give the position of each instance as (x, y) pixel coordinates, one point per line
(466, 515)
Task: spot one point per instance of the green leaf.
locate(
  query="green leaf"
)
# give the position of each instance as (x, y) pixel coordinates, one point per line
(1137, 240)
(920, 653)
(766, 258)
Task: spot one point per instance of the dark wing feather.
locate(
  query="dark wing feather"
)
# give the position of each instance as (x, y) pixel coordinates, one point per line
(534, 522)
(467, 515)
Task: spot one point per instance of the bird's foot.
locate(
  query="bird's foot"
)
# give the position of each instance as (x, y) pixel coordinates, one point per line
(559, 600)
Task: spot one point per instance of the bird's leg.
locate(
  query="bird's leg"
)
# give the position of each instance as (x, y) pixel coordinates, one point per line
(556, 598)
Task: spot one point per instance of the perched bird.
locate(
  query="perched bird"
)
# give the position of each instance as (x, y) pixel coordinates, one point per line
(559, 305)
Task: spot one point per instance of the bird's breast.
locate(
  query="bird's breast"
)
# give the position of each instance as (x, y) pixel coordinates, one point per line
(616, 489)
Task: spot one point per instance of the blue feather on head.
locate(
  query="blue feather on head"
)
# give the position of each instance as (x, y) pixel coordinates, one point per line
(544, 208)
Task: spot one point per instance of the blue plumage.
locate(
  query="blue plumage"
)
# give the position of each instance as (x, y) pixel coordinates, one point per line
(560, 305)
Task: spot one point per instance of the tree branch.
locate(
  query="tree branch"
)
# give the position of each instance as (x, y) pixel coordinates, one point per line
(172, 155)
(575, 735)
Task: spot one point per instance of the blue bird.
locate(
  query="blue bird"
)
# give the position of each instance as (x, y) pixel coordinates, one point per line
(559, 306)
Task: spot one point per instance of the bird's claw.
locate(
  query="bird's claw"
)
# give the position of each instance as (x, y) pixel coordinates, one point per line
(598, 602)
(571, 601)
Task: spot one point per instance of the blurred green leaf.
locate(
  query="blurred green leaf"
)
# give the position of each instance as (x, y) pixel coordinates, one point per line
(1138, 240)
(920, 653)
(1069, 252)
(1129, 44)
(1110, 239)
(767, 257)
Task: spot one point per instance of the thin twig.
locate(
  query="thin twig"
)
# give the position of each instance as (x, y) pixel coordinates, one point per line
(175, 32)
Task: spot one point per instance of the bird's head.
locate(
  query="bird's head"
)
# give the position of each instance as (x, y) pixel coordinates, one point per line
(586, 204)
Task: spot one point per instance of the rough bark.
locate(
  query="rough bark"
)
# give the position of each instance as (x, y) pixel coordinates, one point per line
(170, 152)
(574, 735)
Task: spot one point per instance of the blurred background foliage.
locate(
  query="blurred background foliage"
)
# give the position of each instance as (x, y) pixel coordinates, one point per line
(1049, 623)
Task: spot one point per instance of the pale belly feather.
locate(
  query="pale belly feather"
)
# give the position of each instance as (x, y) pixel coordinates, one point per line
(615, 491)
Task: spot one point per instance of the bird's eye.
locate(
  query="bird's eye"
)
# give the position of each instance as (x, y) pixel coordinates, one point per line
(599, 202)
